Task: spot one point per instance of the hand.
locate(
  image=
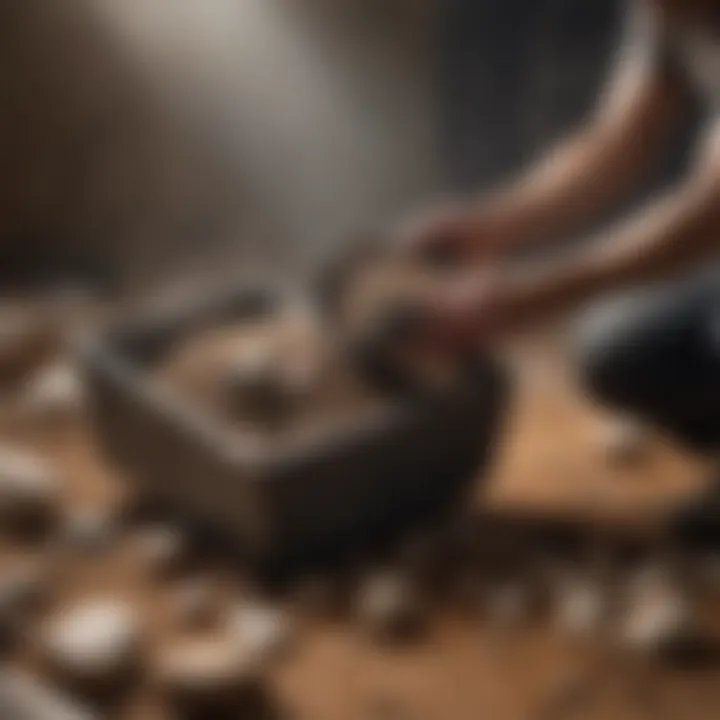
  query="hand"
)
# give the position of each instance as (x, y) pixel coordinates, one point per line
(462, 317)
(454, 233)
(472, 312)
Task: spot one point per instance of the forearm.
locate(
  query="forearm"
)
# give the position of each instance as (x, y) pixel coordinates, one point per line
(574, 184)
(597, 166)
(680, 231)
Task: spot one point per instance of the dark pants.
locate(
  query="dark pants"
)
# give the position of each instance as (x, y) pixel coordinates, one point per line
(655, 353)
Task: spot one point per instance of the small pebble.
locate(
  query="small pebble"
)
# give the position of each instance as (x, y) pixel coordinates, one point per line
(196, 603)
(29, 488)
(580, 606)
(656, 611)
(22, 587)
(262, 631)
(388, 606)
(96, 641)
(55, 393)
(161, 548)
(27, 339)
(90, 530)
(623, 441)
(25, 698)
(212, 675)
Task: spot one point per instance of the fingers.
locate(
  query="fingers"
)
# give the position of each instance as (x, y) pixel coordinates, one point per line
(434, 234)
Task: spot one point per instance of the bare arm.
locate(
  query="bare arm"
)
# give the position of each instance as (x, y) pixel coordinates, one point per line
(595, 167)
(680, 230)
(674, 233)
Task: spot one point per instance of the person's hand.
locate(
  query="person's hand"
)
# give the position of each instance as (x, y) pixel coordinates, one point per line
(472, 312)
(454, 233)
(465, 315)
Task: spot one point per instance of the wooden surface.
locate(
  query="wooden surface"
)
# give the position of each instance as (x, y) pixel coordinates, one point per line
(462, 671)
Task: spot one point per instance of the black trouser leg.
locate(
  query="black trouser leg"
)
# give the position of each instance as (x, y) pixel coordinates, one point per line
(656, 354)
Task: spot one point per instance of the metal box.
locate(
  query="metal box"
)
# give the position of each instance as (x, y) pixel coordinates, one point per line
(339, 490)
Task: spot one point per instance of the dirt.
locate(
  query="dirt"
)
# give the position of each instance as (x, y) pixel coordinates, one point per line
(271, 376)
(463, 668)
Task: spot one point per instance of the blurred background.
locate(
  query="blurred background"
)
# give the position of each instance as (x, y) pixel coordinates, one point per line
(145, 141)
(136, 138)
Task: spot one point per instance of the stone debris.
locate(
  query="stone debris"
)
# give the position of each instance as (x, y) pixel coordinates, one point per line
(96, 641)
(89, 530)
(29, 488)
(388, 606)
(195, 603)
(161, 548)
(580, 605)
(22, 588)
(207, 675)
(256, 385)
(56, 392)
(623, 441)
(23, 697)
(254, 371)
(27, 339)
(262, 631)
(657, 612)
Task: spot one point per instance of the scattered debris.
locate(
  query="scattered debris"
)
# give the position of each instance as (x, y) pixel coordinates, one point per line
(22, 589)
(580, 605)
(211, 675)
(254, 371)
(623, 441)
(263, 632)
(196, 603)
(388, 606)
(256, 387)
(95, 642)
(161, 548)
(27, 340)
(56, 392)
(657, 612)
(29, 488)
(24, 698)
(89, 530)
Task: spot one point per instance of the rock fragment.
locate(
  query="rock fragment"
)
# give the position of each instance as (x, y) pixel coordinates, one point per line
(29, 489)
(623, 441)
(262, 631)
(55, 393)
(22, 697)
(162, 549)
(95, 642)
(210, 676)
(389, 606)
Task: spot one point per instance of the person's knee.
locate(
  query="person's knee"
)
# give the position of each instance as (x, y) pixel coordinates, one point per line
(606, 352)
